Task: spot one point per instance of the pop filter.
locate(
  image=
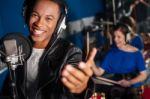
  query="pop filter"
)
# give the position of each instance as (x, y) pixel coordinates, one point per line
(16, 44)
(16, 48)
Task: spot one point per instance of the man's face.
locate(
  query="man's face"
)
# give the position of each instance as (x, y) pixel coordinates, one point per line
(43, 21)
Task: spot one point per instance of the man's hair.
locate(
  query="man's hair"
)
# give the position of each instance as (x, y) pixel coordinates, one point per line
(29, 5)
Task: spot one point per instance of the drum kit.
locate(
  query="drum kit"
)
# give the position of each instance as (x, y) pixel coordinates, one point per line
(102, 26)
(107, 86)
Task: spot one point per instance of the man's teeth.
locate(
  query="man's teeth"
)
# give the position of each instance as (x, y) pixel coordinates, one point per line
(38, 31)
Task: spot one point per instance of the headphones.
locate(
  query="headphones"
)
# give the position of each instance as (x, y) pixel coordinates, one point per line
(129, 29)
(130, 33)
(61, 24)
(125, 28)
(130, 24)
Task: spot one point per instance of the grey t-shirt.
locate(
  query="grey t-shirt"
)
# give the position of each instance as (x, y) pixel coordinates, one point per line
(32, 71)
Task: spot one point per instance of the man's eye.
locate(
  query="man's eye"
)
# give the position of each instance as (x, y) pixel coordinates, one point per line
(48, 19)
(34, 15)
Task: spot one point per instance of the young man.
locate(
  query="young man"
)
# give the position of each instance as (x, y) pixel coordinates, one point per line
(54, 70)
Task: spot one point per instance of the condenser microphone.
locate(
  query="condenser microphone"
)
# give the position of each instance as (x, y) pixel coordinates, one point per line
(16, 48)
(13, 56)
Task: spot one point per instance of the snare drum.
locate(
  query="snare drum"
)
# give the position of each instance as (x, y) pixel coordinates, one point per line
(98, 95)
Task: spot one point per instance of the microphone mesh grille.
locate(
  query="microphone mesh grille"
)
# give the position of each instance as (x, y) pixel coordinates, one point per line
(11, 47)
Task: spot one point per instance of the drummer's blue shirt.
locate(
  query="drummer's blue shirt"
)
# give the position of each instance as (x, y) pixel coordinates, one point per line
(123, 62)
(137, 42)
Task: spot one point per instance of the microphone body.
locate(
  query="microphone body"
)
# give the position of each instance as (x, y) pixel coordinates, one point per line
(11, 53)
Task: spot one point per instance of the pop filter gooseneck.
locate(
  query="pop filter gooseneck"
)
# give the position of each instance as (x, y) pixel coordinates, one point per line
(17, 49)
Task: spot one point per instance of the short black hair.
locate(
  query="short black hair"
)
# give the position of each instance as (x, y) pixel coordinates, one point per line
(29, 5)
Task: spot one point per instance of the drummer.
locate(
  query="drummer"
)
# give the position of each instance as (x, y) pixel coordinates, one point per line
(125, 61)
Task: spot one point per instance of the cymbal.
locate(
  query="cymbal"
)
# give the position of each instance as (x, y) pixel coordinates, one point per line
(104, 23)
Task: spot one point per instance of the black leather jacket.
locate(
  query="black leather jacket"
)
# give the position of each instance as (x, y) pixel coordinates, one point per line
(49, 85)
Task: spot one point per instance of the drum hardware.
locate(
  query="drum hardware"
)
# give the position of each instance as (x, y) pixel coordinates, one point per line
(93, 28)
(110, 88)
(98, 95)
(103, 23)
(96, 27)
(88, 30)
(147, 61)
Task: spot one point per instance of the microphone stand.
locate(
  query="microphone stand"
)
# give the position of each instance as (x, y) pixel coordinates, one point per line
(11, 60)
(12, 67)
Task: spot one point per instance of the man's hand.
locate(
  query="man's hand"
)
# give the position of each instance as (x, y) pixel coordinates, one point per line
(76, 79)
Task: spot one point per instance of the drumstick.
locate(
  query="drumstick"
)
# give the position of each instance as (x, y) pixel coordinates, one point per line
(108, 80)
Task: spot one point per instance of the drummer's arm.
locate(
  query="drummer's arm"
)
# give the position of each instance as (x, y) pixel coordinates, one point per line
(140, 78)
(98, 71)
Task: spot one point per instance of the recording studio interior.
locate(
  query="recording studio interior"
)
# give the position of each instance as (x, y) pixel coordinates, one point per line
(89, 24)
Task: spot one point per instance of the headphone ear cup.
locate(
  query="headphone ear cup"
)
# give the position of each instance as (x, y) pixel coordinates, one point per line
(128, 37)
(129, 32)
(61, 25)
